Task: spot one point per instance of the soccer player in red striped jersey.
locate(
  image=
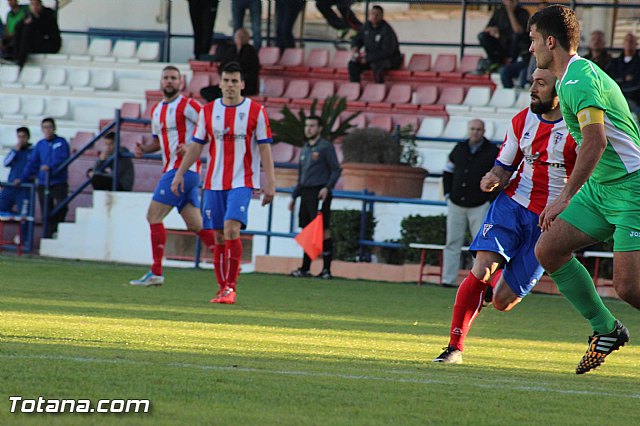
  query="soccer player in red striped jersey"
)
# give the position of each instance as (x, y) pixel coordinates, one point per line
(539, 147)
(237, 130)
(173, 121)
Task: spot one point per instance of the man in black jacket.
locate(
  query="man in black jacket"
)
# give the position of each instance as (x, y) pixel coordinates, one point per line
(38, 33)
(102, 172)
(625, 70)
(467, 205)
(318, 172)
(381, 48)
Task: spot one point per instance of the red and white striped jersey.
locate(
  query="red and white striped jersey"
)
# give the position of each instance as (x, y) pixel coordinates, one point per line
(234, 133)
(544, 154)
(173, 123)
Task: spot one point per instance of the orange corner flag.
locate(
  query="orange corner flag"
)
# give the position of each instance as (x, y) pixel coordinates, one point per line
(311, 236)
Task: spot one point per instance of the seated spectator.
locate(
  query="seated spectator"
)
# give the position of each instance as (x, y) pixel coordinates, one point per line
(16, 14)
(16, 199)
(102, 172)
(37, 33)
(381, 48)
(625, 70)
(343, 23)
(598, 53)
(505, 37)
(247, 56)
(238, 10)
(287, 12)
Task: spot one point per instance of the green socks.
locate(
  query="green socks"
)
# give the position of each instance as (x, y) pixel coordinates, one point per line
(575, 284)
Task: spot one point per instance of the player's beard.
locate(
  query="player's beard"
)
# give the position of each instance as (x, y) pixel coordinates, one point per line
(541, 107)
(169, 92)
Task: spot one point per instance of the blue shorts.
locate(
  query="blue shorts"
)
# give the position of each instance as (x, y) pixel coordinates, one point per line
(190, 195)
(222, 205)
(512, 231)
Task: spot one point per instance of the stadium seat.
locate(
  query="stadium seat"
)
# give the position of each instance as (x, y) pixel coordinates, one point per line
(291, 57)
(296, 89)
(524, 100)
(468, 63)
(381, 121)
(282, 152)
(500, 130)
(453, 95)
(74, 46)
(273, 87)
(318, 58)
(79, 79)
(124, 49)
(503, 98)
(57, 107)
(456, 128)
(103, 79)
(269, 57)
(349, 90)
(339, 153)
(10, 106)
(431, 127)
(477, 96)
(9, 74)
(372, 93)
(338, 64)
(130, 139)
(30, 75)
(399, 94)
(148, 51)
(406, 121)
(360, 121)
(130, 110)
(80, 139)
(321, 90)
(198, 81)
(419, 62)
(33, 107)
(444, 63)
(54, 78)
(99, 47)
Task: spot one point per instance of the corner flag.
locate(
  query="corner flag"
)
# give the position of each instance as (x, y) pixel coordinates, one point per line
(311, 236)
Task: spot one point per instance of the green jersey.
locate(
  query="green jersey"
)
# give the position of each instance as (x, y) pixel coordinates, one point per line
(585, 85)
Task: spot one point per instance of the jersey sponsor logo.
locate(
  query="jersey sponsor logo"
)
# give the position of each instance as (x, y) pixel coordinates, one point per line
(486, 228)
(571, 82)
(534, 159)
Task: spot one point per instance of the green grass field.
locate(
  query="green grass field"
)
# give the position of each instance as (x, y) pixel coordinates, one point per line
(294, 352)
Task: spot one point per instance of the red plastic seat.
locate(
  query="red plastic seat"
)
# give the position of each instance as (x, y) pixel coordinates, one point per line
(130, 110)
(338, 64)
(445, 63)
(372, 94)
(269, 56)
(451, 95)
(399, 94)
(318, 58)
(291, 57)
(407, 120)
(297, 89)
(273, 87)
(320, 91)
(381, 121)
(349, 90)
(282, 152)
(359, 121)
(198, 81)
(130, 139)
(81, 139)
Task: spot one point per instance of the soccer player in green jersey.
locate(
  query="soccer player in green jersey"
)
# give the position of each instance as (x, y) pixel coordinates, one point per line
(602, 197)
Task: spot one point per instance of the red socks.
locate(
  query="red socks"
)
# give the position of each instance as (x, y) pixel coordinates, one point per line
(219, 263)
(158, 240)
(467, 306)
(233, 249)
(208, 238)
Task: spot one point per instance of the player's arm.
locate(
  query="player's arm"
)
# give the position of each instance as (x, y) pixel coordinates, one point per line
(496, 179)
(594, 142)
(192, 153)
(141, 149)
(269, 188)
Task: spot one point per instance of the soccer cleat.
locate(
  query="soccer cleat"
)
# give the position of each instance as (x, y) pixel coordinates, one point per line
(300, 273)
(450, 355)
(325, 275)
(227, 297)
(148, 279)
(601, 345)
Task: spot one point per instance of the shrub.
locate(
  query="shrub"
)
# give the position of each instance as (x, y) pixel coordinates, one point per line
(345, 232)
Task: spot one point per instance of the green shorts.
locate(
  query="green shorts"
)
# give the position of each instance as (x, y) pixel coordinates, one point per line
(608, 210)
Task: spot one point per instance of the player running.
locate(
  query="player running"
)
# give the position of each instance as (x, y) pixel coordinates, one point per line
(602, 198)
(540, 148)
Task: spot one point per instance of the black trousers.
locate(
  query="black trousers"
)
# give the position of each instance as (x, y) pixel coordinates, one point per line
(203, 17)
(29, 39)
(378, 68)
(309, 204)
(287, 12)
(348, 19)
(57, 193)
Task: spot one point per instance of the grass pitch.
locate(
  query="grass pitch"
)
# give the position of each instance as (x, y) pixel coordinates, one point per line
(295, 352)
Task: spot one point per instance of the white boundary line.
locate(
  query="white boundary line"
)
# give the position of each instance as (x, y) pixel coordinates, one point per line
(426, 381)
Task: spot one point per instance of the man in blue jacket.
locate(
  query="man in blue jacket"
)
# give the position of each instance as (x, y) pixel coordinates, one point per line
(48, 155)
(16, 160)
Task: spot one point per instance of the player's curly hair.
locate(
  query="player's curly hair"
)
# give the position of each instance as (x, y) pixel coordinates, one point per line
(561, 23)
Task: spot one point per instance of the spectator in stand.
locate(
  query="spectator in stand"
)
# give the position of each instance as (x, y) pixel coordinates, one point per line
(505, 36)
(16, 14)
(598, 53)
(381, 49)
(49, 153)
(203, 17)
(287, 12)
(318, 172)
(247, 56)
(37, 33)
(17, 160)
(102, 172)
(239, 9)
(625, 70)
(466, 203)
(343, 23)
